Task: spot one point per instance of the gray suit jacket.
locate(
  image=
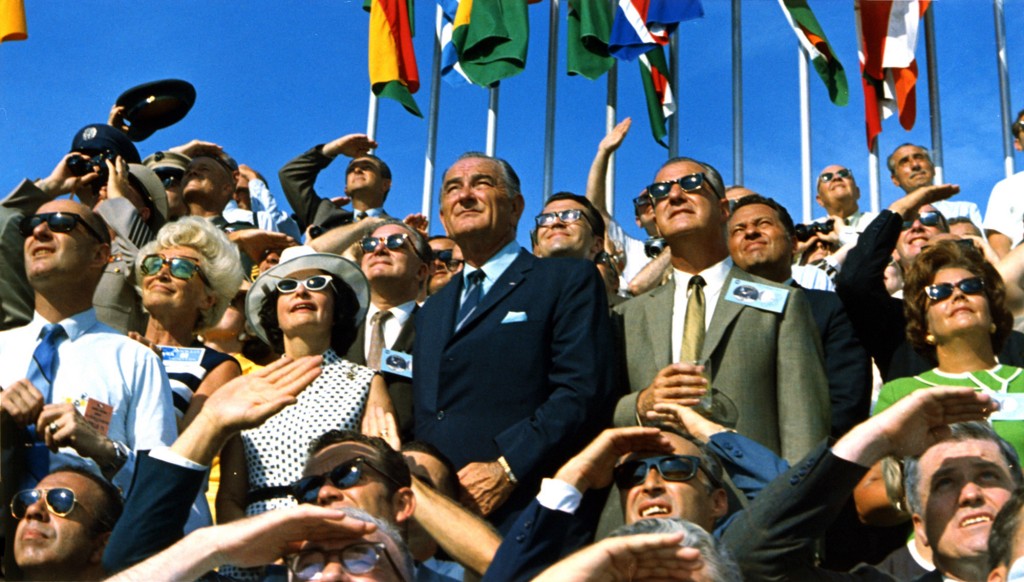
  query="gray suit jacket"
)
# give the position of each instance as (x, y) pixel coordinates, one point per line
(768, 365)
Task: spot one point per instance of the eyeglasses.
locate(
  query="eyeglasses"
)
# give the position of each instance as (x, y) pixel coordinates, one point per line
(343, 476)
(62, 222)
(445, 258)
(359, 558)
(59, 501)
(828, 176)
(1017, 127)
(671, 468)
(931, 218)
(564, 216)
(689, 183)
(169, 176)
(641, 202)
(392, 242)
(181, 268)
(314, 283)
(941, 291)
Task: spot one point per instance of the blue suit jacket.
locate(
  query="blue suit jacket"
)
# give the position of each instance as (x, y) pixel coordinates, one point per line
(529, 376)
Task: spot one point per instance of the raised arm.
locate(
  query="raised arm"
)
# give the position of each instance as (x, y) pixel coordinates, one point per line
(596, 191)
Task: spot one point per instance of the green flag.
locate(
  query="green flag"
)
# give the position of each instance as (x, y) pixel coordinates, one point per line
(492, 43)
(812, 38)
(661, 103)
(590, 25)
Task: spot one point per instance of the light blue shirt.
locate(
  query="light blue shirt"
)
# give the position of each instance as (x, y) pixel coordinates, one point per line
(493, 268)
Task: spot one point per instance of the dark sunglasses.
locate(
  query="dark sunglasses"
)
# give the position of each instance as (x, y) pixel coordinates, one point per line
(828, 176)
(689, 183)
(445, 257)
(564, 216)
(392, 242)
(60, 501)
(942, 291)
(63, 222)
(931, 218)
(359, 558)
(671, 468)
(181, 268)
(344, 476)
(641, 202)
(314, 283)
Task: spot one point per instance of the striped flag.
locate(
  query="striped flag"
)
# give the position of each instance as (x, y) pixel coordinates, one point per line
(589, 29)
(661, 103)
(393, 71)
(12, 20)
(451, 70)
(641, 24)
(887, 34)
(492, 37)
(812, 38)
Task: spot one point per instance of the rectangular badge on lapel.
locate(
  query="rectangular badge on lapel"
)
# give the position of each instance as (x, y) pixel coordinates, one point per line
(757, 295)
(514, 317)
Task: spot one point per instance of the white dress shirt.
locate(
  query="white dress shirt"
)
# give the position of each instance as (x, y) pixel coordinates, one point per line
(714, 279)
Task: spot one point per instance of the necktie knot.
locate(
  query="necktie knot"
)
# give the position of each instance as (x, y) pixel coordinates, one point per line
(696, 282)
(475, 278)
(52, 333)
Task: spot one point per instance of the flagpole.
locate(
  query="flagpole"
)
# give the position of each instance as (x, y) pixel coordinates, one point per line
(371, 117)
(435, 100)
(609, 124)
(876, 199)
(805, 132)
(933, 91)
(1004, 86)
(737, 94)
(549, 115)
(492, 121)
(673, 122)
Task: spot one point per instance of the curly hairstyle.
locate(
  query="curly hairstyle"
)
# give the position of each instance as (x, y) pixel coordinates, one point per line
(343, 328)
(951, 254)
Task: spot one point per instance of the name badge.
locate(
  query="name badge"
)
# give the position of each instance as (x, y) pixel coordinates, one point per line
(398, 363)
(1011, 406)
(183, 360)
(96, 413)
(757, 295)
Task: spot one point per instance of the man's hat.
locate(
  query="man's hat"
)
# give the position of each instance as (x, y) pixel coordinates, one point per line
(167, 163)
(156, 105)
(98, 137)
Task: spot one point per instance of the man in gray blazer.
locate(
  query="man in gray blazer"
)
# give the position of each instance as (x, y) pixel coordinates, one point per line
(767, 377)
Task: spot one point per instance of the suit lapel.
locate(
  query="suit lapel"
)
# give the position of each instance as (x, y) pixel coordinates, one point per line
(403, 343)
(356, 354)
(721, 319)
(506, 283)
(657, 311)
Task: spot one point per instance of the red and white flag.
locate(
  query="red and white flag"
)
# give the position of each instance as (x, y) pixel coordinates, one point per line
(887, 33)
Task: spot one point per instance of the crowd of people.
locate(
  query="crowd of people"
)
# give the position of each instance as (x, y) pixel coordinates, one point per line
(198, 382)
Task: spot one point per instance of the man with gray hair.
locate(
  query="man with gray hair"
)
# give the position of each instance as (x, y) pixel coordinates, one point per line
(911, 167)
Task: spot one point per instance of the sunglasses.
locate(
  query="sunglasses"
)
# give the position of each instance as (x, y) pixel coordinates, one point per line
(59, 501)
(828, 176)
(63, 222)
(445, 258)
(689, 183)
(671, 468)
(641, 202)
(181, 268)
(931, 218)
(563, 216)
(314, 283)
(392, 242)
(344, 476)
(359, 558)
(941, 291)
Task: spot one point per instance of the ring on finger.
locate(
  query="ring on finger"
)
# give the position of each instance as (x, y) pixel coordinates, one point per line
(54, 426)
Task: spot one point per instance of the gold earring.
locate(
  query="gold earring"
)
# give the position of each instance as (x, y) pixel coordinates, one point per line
(992, 328)
(929, 339)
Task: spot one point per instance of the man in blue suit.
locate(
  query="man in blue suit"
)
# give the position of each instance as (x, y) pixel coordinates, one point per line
(514, 361)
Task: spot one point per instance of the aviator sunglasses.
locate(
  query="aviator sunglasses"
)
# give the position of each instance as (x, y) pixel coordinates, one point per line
(392, 242)
(359, 558)
(941, 291)
(671, 468)
(564, 216)
(343, 476)
(60, 501)
(828, 176)
(314, 283)
(62, 222)
(929, 218)
(181, 268)
(689, 183)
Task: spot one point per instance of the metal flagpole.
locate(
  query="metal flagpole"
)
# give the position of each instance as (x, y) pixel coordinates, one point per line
(549, 116)
(876, 198)
(435, 100)
(933, 91)
(673, 123)
(737, 94)
(610, 115)
(492, 121)
(371, 118)
(1004, 86)
(805, 133)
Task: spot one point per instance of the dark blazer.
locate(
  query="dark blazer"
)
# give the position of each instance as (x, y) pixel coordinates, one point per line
(297, 180)
(399, 387)
(527, 377)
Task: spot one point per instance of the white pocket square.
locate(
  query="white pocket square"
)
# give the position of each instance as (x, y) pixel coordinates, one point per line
(514, 317)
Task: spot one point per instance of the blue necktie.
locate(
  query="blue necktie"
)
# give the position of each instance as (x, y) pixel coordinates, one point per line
(41, 371)
(475, 286)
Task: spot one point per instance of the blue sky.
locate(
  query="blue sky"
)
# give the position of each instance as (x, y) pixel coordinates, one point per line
(275, 78)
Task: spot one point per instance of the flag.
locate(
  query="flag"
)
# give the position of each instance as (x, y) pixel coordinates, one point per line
(887, 35)
(641, 24)
(661, 104)
(812, 38)
(393, 71)
(12, 20)
(590, 25)
(451, 70)
(491, 37)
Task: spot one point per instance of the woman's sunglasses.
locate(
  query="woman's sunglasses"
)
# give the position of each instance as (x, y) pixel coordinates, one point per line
(181, 268)
(941, 291)
(314, 283)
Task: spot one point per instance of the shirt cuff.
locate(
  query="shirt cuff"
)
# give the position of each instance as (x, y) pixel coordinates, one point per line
(166, 455)
(559, 496)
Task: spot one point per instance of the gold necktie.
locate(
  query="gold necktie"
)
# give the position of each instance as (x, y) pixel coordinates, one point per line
(693, 326)
(376, 339)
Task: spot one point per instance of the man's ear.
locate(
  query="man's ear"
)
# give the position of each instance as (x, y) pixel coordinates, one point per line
(403, 502)
(100, 542)
(719, 503)
(597, 247)
(919, 530)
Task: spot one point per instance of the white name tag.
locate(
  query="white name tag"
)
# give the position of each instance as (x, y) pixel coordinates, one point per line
(757, 295)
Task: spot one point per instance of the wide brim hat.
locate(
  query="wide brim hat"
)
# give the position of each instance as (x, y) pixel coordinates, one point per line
(301, 258)
(156, 105)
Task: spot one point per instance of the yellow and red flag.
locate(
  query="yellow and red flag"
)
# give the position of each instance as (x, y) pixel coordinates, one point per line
(393, 72)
